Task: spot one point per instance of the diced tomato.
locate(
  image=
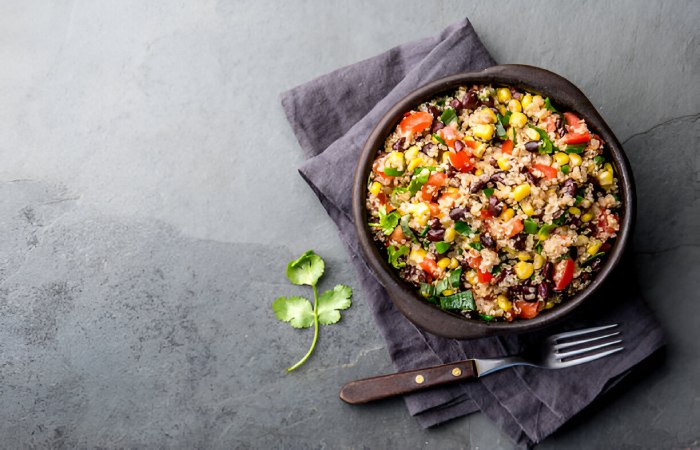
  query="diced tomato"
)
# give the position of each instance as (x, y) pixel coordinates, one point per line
(397, 235)
(449, 135)
(572, 119)
(549, 172)
(434, 209)
(485, 214)
(381, 197)
(448, 199)
(474, 263)
(507, 147)
(416, 122)
(563, 274)
(484, 277)
(576, 138)
(436, 179)
(430, 266)
(462, 161)
(426, 192)
(469, 143)
(528, 310)
(514, 226)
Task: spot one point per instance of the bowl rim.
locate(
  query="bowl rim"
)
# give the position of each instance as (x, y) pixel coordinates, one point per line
(429, 317)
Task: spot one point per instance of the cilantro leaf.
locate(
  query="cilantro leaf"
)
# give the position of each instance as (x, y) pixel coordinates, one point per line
(418, 180)
(463, 301)
(306, 270)
(501, 124)
(407, 231)
(395, 253)
(387, 222)
(331, 301)
(295, 310)
(477, 246)
(547, 145)
(449, 115)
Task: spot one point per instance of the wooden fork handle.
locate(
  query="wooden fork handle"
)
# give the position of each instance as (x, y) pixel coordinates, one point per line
(385, 386)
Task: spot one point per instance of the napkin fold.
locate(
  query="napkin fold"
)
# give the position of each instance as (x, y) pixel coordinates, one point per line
(332, 116)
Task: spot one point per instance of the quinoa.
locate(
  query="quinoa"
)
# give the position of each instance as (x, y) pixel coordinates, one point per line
(492, 203)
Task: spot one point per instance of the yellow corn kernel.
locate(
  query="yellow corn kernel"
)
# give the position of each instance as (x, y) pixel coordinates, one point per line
(478, 172)
(504, 162)
(581, 240)
(586, 217)
(575, 211)
(483, 132)
(524, 270)
(537, 261)
(479, 150)
(524, 256)
(527, 209)
(421, 213)
(585, 203)
(514, 106)
(527, 99)
(605, 178)
(454, 263)
(450, 234)
(593, 248)
(472, 278)
(532, 134)
(504, 303)
(561, 158)
(489, 114)
(510, 133)
(511, 253)
(447, 292)
(375, 188)
(517, 120)
(445, 158)
(503, 95)
(443, 263)
(434, 140)
(507, 214)
(416, 162)
(395, 160)
(549, 305)
(417, 255)
(608, 167)
(574, 160)
(521, 191)
(538, 100)
(502, 109)
(411, 153)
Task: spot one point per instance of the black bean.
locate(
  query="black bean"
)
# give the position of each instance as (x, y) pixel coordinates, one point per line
(488, 102)
(495, 207)
(458, 214)
(459, 145)
(548, 270)
(531, 179)
(595, 264)
(470, 101)
(569, 188)
(398, 145)
(456, 104)
(533, 146)
(435, 224)
(543, 290)
(450, 171)
(437, 126)
(493, 162)
(520, 242)
(515, 292)
(488, 241)
(434, 111)
(502, 274)
(499, 177)
(427, 147)
(573, 252)
(436, 235)
(529, 293)
(560, 127)
(479, 185)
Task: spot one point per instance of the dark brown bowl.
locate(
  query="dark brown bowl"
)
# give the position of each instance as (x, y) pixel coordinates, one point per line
(443, 323)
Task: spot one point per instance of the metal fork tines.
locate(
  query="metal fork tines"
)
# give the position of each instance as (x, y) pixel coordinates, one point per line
(580, 350)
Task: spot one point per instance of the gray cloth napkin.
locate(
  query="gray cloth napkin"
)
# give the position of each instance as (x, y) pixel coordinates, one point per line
(332, 117)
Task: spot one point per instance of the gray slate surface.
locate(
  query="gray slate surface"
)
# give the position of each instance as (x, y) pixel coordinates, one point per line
(141, 245)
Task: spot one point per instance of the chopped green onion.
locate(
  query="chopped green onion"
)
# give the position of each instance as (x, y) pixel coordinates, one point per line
(439, 139)
(486, 317)
(488, 192)
(463, 228)
(463, 301)
(530, 226)
(442, 247)
(391, 172)
(546, 229)
(578, 200)
(449, 115)
(476, 246)
(599, 160)
(548, 105)
(575, 148)
(565, 168)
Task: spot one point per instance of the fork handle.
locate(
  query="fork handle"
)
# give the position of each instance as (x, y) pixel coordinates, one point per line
(385, 386)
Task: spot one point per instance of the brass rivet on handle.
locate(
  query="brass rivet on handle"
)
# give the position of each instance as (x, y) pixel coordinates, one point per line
(456, 371)
(420, 379)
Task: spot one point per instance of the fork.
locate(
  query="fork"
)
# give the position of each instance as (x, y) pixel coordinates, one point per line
(556, 352)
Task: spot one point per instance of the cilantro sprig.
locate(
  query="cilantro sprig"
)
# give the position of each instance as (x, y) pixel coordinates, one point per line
(307, 270)
(387, 222)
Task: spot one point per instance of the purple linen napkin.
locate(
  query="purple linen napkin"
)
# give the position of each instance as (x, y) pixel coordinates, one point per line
(332, 117)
